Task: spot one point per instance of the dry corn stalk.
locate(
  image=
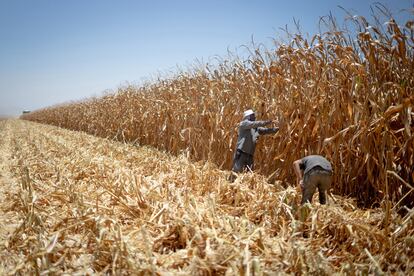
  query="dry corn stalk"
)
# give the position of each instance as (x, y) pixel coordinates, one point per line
(345, 95)
(86, 205)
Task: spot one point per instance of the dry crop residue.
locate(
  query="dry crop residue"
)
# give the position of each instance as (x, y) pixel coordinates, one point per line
(8, 190)
(73, 203)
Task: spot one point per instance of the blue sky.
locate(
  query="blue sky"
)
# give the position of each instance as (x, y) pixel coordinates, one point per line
(54, 51)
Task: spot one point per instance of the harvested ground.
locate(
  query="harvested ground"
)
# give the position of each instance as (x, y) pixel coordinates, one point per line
(75, 204)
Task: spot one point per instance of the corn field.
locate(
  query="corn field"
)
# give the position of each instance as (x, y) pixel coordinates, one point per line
(345, 94)
(75, 204)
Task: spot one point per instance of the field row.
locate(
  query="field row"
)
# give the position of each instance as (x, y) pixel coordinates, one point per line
(346, 94)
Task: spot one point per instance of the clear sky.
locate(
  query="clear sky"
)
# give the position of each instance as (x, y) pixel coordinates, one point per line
(54, 51)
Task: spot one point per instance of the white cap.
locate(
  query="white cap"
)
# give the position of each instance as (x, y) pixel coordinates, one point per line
(248, 113)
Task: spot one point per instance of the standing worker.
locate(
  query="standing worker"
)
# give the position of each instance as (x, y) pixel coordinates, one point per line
(312, 172)
(249, 132)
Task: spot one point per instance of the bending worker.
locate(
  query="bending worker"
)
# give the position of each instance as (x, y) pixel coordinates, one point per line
(249, 132)
(312, 172)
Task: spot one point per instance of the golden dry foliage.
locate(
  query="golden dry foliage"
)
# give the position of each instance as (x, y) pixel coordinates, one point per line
(345, 95)
(85, 205)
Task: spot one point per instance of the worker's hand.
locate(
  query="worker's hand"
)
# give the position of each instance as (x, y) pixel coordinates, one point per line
(281, 122)
(300, 184)
(278, 122)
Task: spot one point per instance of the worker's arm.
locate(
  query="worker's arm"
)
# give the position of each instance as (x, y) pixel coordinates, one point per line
(298, 172)
(246, 124)
(264, 130)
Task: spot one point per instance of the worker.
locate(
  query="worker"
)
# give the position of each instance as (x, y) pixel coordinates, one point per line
(312, 172)
(249, 132)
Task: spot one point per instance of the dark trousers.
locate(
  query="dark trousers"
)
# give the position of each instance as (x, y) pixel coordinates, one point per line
(241, 162)
(316, 178)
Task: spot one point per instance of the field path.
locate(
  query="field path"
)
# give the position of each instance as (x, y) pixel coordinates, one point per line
(9, 188)
(77, 204)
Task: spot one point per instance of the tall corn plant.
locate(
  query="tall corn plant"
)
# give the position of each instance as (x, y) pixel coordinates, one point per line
(346, 95)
